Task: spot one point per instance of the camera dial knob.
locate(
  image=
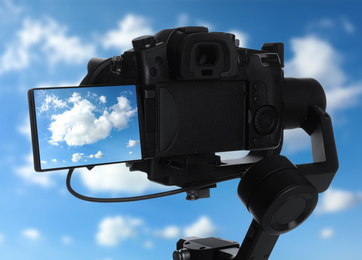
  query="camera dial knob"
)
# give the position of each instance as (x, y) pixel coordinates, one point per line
(143, 42)
(265, 120)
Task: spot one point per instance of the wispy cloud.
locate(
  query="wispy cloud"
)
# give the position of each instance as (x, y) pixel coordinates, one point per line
(44, 39)
(9, 10)
(113, 230)
(27, 173)
(2, 238)
(130, 27)
(341, 23)
(327, 233)
(202, 227)
(169, 232)
(66, 240)
(31, 233)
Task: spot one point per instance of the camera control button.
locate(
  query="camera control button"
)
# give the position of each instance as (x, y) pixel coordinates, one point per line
(265, 120)
(143, 42)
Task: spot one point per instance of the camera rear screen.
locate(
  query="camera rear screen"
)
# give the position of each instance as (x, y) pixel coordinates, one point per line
(84, 126)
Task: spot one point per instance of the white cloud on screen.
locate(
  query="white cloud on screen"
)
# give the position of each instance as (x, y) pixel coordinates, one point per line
(98, 155)
(113, 230)
(103, 99)
(79, 125)
(52, 101)
(77, 156)
(130, 27)
(132, 143)
(44, 38)
(80, 156)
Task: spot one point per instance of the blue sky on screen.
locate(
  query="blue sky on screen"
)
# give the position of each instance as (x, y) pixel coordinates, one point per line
(86, 126)
(48, 43)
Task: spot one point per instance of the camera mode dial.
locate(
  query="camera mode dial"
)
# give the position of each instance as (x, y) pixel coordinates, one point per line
(265, 120)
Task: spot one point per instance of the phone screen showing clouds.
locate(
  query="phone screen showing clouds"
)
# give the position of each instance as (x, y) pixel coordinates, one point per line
(86, 126)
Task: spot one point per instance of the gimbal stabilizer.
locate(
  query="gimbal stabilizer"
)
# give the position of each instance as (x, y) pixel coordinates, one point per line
(174, 70)
(279, 194)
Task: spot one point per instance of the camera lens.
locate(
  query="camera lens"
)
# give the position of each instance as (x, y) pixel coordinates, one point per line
(206, 55)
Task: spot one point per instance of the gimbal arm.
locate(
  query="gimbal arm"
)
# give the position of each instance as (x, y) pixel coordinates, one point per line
(304, 103)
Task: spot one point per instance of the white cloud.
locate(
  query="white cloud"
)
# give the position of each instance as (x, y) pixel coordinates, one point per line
(121, 113)
(79, 125)
(148, 244)
(24, 128)
(335, 200)
(316, 58)
(341, 23)
(296, 140)
(98, 155)
(169, 232)
(66, 240)
(116, 178)
(203, 227)
(9, 11)
(241, 36)
(113, 230)
(31, 233)
(52, 41)
(27, 173)
(77, 156)
(183, 20)
(80, 156)
(347, 25)
(327, 233)
(52, 101)
(132, 143)
(132, 26)
(103, 99)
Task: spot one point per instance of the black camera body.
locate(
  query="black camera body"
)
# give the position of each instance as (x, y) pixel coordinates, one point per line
(200, 93)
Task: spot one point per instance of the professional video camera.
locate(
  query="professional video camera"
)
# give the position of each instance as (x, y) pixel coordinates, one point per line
(198, 94)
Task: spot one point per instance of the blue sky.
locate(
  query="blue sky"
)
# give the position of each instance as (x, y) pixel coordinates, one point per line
(48, 43)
